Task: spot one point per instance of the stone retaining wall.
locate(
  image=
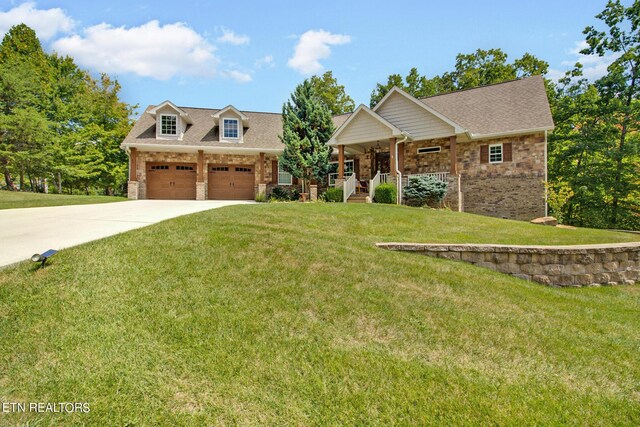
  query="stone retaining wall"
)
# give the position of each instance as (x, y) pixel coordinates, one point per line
(580, 265)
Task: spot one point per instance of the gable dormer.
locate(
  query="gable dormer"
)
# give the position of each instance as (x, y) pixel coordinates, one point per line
(171, 121)
(231, 123)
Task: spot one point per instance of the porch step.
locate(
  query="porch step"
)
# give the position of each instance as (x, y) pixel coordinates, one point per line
(358, 198)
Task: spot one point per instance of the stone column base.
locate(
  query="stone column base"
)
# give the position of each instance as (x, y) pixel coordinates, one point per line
(262, 189)
(338, 183)
(201, 191)
(313, 193)
(132, 190)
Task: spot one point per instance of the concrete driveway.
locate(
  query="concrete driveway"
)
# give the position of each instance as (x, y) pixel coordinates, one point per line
(24, 232)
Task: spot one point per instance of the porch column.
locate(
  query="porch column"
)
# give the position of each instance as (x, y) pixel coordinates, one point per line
(392, 156)
(201, 189)
(133, 186)
(401, 158)
(340, 161)
(453, 160)
(261, 168)
(200, 166)
(133, 164)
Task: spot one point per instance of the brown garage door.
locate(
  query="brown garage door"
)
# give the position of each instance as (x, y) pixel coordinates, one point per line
(231, 182)
(174, 181)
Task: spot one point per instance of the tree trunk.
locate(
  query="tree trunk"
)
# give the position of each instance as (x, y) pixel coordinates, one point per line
(11, 186)
(59, 183)
(21, 180)
(620, 156)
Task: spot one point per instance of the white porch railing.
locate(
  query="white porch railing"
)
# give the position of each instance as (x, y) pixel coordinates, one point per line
(384, 178)
(332, 179)
(373, 184)
(441, 176)
(348, 187)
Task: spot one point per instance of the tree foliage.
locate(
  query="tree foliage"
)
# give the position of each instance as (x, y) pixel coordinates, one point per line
(332, 94)
(595, 149)
(479, 68)
(57, 122)
(306, 129)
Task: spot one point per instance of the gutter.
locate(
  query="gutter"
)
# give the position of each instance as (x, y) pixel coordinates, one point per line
(196, 148)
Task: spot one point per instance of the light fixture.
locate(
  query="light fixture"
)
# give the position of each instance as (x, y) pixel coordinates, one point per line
(42, 258)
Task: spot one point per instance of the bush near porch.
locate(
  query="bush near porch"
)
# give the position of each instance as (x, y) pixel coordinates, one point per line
(425, 190)
(333, 194)
(386, 193)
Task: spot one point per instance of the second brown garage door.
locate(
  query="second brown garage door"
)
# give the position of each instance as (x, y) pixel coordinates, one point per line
(231, 182)
(174, 181)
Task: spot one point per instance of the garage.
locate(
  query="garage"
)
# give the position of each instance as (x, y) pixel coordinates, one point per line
(231, 182)
(172, 181)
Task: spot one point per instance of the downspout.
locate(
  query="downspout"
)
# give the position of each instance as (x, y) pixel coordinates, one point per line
(405, 137)
(546, 178)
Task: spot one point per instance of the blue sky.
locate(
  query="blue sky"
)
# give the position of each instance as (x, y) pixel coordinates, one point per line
(253, 53)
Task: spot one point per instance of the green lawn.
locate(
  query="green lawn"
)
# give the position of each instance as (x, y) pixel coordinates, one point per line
(14, 199)
(286, 314)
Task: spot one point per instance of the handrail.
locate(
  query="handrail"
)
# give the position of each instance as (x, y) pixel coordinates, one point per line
(373, 184)
(348, 187)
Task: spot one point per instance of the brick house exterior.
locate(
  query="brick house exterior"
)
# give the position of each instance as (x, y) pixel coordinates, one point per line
(488, 143)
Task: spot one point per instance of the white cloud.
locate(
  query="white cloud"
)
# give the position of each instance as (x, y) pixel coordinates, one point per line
(593, 66)
(237, 76)
(265, 61)
(229, 36)
(312, 47)
(150, 50)
(46, 22)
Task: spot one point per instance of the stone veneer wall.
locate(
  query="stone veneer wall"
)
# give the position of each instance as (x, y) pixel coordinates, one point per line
(580, 265)
(513, 189)
(209, 159)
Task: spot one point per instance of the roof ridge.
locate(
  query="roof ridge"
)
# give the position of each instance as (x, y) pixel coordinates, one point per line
(480, 87)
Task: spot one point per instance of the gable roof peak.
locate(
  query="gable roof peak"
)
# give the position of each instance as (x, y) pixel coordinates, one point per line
(183, 114)
(243, 117)
(457, 128)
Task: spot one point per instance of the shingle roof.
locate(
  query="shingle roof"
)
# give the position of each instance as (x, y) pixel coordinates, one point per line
(513, 106)
(262, 132)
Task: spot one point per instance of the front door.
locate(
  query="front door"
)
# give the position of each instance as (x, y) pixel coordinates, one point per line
(382, 163)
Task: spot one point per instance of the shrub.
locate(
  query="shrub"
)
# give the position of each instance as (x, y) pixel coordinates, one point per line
(385, 193)
(261, 197)
(333, 194)
(285, 194)
(425, 190)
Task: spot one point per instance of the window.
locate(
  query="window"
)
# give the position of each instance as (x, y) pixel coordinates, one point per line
(284, 178)
(168, 124)
(230, 128)
(220, 169)
(244, 170)
(495, 153)
(425, 150)
(348, 167)
(184, 168)
(159, 168)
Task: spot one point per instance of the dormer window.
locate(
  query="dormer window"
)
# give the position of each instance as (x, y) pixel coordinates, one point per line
(168, 124)
(230, 128)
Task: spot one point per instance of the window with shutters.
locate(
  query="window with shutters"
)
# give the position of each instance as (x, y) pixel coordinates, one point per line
(495, 153)
(284, 178)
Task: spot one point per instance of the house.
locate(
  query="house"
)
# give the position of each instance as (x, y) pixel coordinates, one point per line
(489, 144)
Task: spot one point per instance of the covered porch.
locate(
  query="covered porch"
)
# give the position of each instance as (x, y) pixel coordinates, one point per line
(369, 151)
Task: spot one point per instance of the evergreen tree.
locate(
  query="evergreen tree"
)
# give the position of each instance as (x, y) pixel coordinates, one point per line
(306, 129)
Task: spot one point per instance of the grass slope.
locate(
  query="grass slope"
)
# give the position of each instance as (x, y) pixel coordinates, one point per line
(286, 314)
(13, 199)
